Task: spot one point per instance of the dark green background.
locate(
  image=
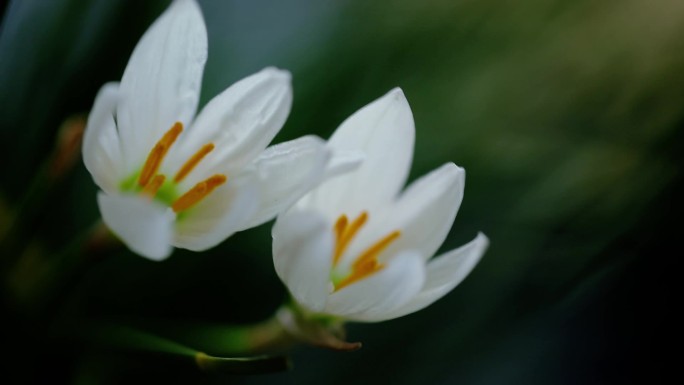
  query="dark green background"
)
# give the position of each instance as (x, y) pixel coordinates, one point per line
(567, 116)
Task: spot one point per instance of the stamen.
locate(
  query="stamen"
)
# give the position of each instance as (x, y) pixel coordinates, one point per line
(155, 184)
(197, 193)
(367, 263)
(346, 233)
(359, 274)
(193, 161)
(371, 254)
(154, 159)
(340, 226)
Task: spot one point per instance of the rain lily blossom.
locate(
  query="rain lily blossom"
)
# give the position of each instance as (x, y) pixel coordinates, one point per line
(169, 179)
(356, 247)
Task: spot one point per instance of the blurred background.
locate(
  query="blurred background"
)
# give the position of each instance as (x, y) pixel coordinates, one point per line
(566, 115)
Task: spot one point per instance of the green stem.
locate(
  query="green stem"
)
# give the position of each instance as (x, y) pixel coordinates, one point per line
(288, 326)
(265, 336)
(130, 340)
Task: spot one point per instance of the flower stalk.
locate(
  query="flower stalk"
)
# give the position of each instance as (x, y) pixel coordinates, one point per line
(288, 326)
(258, 338)
(130, 341)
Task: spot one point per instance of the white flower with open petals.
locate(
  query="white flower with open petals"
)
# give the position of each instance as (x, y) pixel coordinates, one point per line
(358, 248)
(171, 180)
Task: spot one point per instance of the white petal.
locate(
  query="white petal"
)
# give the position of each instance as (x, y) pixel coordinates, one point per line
(161, 83)
(444, 273)
(240, 122)
(146, 227)
(372, 298)
(384, 132)
(101, 147)
(302, 256)
(343, 162)
(423, 214)
(286, 172)
(426, 210)
(218, 215)
(340, 163)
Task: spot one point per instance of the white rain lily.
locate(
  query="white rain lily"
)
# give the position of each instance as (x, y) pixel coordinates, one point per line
(356, 247)
(169, 179)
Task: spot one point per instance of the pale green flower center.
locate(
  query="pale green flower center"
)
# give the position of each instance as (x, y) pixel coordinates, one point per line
(148, 182)
(366, 264)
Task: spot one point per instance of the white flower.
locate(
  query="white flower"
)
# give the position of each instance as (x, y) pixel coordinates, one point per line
(359, 249)
(171, 180)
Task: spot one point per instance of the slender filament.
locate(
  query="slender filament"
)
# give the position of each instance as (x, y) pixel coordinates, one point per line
(150, 189)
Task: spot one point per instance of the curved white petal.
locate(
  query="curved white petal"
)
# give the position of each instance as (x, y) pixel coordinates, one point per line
(384, 132)
(444, 273)
(423, 214)
(285, 173)
(161, 83)
(426, 210)
(218, 215)
(302, 256)
(240, 122)
(383, 292)
(101, 147)
(146, 227)
(343, 161)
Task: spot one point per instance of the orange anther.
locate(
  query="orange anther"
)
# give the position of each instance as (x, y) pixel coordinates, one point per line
(371, 254)
(156, 156)
(367, 263)
(345, 233)
(198, 192)
(192, 162)
(340, 227)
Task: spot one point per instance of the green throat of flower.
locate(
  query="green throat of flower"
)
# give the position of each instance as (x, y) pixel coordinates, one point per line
(149, 183)
(366, 264)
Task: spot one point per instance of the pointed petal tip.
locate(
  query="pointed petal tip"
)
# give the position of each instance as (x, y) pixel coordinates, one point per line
(453, 168)
(478, 247)
(482, 240)
(314, 139)
(189, 7)
(397, 93)
(191, 3)
(444, 273)
(277, 74)
(451, 172)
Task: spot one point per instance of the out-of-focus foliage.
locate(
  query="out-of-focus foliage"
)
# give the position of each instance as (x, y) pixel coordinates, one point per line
(567, 116)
